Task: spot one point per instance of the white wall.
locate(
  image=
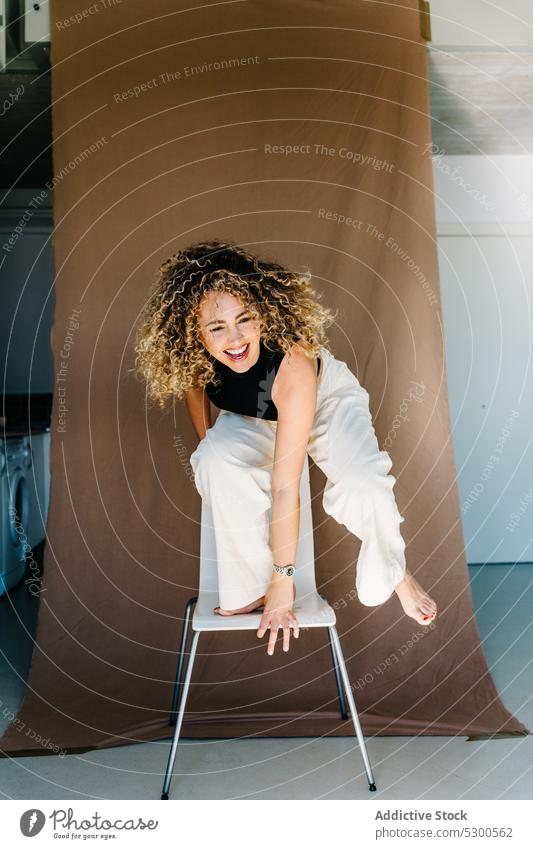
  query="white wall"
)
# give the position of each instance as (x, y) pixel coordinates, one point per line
(484, 209)
(482, 22)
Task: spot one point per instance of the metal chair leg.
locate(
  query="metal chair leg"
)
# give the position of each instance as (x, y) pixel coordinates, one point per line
(342, 703)
(172, 755)
(351, 701)
(184, 631)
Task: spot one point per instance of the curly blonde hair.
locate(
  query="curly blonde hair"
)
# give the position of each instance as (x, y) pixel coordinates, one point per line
(171, 356)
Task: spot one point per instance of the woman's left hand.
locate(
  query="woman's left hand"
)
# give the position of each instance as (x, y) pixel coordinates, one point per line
(278, 612)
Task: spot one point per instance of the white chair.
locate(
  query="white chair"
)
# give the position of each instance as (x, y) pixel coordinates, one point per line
(312, 611)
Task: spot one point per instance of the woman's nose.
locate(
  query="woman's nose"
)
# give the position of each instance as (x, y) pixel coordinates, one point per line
(235, 339)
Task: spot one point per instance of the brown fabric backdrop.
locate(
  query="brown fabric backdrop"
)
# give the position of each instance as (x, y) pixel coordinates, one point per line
(141, 174)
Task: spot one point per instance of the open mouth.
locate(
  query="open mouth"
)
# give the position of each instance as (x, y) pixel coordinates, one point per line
(238, 353)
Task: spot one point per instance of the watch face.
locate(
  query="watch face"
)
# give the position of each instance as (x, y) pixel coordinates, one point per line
(285, 570)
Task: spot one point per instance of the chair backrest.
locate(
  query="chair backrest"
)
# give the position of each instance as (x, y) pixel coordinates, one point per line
(305, 553)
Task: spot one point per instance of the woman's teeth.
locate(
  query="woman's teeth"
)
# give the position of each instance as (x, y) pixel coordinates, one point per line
(238, 353)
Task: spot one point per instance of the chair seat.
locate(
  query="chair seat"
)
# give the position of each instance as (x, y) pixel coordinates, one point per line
(312, 611)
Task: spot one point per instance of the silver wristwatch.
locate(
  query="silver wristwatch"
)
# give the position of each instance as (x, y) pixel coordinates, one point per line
(285, 570)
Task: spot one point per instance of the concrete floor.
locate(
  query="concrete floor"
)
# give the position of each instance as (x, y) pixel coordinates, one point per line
(304, 768)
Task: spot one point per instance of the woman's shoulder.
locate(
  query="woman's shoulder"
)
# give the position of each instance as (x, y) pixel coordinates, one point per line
(297, 360)
(296, 378)
(302, 348)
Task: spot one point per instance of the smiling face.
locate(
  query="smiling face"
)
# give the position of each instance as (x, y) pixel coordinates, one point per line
(228, 331)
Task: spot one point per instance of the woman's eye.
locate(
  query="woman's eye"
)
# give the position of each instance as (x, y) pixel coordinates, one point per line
(217, 329)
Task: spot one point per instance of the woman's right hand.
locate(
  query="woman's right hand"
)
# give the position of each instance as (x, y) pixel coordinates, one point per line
(278, 612)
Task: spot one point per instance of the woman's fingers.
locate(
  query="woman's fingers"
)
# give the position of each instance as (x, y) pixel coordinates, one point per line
(291, 622)
(286, 636)
(263, 624)
(273, 636)
(275, 621)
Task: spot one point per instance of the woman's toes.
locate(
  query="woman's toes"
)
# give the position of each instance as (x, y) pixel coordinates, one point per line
(221, 612)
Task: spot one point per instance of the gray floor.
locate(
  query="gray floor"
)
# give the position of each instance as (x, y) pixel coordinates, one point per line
(301, 768)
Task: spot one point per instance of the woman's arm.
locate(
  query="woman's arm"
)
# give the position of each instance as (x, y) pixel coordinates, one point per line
(295, 399)
(199, 410)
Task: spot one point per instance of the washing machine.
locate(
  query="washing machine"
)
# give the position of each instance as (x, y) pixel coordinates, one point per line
(15, 465)
(39, 485)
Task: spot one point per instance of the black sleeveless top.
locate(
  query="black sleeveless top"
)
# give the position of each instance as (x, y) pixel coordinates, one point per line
(249, 392)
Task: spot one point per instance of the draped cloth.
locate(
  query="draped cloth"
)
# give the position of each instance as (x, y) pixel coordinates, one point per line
(300, 130)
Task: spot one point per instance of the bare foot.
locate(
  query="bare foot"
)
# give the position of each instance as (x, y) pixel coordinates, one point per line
(248, 609)
(415, 601)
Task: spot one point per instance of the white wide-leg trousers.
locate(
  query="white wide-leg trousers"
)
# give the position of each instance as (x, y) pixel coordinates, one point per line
(233, 467)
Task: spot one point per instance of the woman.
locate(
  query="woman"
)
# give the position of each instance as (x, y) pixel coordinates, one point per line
(225, 326)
